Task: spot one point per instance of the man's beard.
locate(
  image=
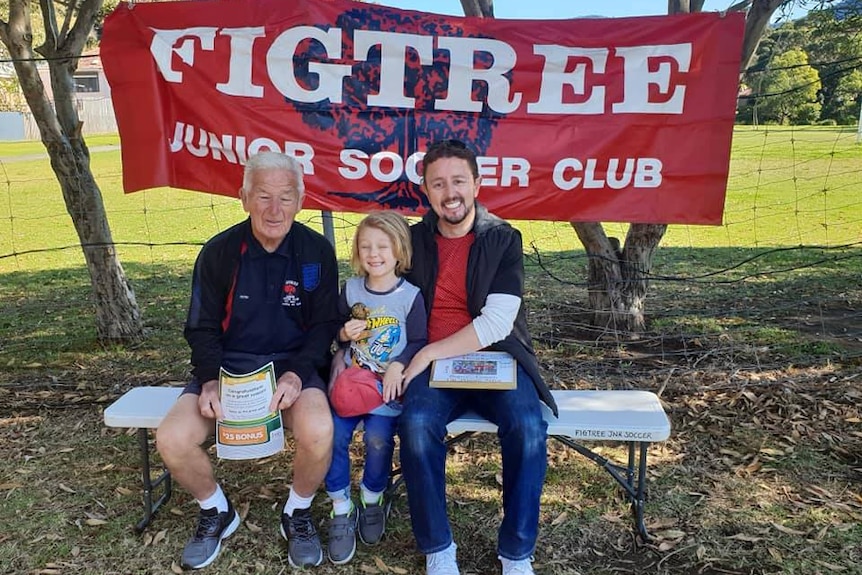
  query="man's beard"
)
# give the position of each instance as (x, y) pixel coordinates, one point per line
(468, 209)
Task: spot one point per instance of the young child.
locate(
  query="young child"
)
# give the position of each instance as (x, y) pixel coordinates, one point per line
(387, 326)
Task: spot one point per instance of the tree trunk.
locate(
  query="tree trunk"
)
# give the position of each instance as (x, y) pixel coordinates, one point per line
(618, 279)
(118, 317)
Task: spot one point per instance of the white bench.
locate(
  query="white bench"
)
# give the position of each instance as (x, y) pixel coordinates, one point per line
(635, 418)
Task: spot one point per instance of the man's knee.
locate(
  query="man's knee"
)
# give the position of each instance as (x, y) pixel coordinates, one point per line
(526, 429)
(420, 431)
(311, 423)
(172, 440)
(182, 429)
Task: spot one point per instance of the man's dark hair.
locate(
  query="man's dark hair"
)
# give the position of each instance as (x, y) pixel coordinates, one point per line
(450, 149)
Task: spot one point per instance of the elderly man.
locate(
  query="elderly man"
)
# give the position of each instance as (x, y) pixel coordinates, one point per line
(469, 265)
(264, 290)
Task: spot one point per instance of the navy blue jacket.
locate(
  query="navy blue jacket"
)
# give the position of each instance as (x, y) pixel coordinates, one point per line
(215, 275)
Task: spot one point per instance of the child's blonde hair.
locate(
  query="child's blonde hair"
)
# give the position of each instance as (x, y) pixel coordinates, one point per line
(396, 227)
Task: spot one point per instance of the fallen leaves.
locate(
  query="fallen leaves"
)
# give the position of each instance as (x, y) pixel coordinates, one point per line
(380, 566)
(787, 530)
(150, 539)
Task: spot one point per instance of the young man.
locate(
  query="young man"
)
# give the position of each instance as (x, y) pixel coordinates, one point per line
(263, 290)
(471, 307)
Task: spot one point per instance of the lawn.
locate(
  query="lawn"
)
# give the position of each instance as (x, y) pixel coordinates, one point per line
(754, 344)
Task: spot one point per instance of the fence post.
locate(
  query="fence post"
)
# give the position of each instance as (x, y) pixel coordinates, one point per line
(328, 228)
(859, 126)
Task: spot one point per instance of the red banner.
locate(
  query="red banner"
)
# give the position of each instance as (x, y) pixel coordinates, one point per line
(626, 119)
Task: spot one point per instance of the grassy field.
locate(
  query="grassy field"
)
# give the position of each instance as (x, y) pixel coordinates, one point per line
(754, 344)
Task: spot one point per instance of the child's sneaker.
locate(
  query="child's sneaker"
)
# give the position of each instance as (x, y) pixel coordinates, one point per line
(372, 521)
(342, 537)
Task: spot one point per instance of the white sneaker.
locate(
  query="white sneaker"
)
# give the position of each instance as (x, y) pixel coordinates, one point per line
(518, 567)
(442, 562)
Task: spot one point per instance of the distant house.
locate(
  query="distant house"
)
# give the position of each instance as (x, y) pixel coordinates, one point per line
(90, 82)
(92, 94)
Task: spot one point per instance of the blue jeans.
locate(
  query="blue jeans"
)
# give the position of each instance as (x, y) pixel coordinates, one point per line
(523, 439)
(379, 439)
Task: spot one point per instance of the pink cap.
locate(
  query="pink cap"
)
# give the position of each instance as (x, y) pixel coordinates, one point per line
(355, 392)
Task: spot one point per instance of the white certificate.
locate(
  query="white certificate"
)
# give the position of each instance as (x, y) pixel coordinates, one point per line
(249, 429)
(480, 370)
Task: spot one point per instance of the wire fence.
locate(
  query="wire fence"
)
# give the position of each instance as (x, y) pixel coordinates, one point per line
(777, 284)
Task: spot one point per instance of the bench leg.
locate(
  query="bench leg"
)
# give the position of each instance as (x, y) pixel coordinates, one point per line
(635, 494)
(150, 505)
(639, 497)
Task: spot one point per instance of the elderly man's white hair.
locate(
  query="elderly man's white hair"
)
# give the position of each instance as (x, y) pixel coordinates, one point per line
(272, 161)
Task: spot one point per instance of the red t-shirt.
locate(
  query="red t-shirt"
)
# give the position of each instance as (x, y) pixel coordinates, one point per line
(449, 309)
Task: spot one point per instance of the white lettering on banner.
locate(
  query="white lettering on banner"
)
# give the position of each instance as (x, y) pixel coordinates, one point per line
(586, 77)
(555, 77)
(569, 173)
(234, 149)
(512, 169)
(636, 94)
(393, 47)
(387, 167)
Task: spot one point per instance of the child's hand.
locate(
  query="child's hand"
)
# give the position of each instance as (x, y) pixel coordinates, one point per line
(353, 330)
(336, 367)
(393, 381)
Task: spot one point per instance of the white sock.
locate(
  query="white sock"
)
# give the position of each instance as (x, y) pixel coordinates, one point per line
(370, 497)
(341, 506)
(296, 501)
(217, 500)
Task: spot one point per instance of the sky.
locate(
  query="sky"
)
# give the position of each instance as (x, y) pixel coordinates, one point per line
(552, 9)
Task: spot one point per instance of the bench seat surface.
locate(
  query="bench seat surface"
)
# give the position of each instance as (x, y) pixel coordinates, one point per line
(142, 407)
(608, 415)
(600, 415)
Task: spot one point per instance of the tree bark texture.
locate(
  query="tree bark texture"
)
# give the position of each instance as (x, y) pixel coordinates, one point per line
(483, 8)
(618, 279)
(755, 23)
(118, 317)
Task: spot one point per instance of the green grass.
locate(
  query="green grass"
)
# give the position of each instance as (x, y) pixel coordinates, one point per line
(754, 343)
(32, 147)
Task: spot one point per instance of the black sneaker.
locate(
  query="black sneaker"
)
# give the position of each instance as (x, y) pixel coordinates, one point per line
(372, 521)
(341, 540)
(203, 547)
(303, 544)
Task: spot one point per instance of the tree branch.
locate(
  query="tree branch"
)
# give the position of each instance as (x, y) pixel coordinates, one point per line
(755, 23)
(482, 8)
(678, 7)
(88, 13)
(49, 21)
(70, 11)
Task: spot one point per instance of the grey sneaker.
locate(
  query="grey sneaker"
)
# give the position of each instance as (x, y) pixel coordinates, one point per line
(372, 521)
(342, 537)
(205, 544)
(303, 544)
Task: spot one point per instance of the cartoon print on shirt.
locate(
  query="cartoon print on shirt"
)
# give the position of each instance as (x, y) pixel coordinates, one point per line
(374, 351)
